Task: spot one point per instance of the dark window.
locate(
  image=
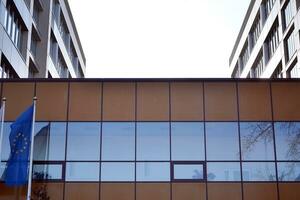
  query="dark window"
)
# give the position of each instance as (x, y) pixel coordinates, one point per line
(287, 136)
(259, 171)
(114, 171)
(83, 141)
(153, 141)
(153, 171)
(288, 171)
(187, 141)
(222, 141)
(47, 172)
(257, 141)
(223, 171)
(49, 141)
(82, 171)
(118, 141)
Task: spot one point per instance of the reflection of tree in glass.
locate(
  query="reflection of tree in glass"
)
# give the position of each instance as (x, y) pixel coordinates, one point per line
(289, 173)
(41, 176)
(197, 174)
(257, 132)
(292, 137)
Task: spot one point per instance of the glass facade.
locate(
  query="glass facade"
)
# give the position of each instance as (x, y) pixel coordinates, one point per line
(231, 147)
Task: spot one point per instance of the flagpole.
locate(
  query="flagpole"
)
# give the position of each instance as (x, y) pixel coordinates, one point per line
(31, 151)
(2, 125)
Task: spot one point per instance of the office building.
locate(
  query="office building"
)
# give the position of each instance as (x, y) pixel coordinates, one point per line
(267, 45)
(38, 39)
(160, 139)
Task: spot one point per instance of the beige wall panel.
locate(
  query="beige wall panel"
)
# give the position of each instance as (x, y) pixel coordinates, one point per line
(255, 101)
(19, 96)
(151, 191)
(153, 101)
(85, 101)
(186, 101)
(221, 191)
(52, 101)
(113, 191)
(190, 191)
(220, 101)
(286, 101)
(12, 193)
(119, 101)
(82, 191)
(289, 191)
(54, 190)
(260, 191)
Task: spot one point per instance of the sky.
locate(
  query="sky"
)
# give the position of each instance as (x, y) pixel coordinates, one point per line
(158, 38)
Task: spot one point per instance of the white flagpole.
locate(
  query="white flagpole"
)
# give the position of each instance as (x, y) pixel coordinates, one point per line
(31, 151)
(2, 125)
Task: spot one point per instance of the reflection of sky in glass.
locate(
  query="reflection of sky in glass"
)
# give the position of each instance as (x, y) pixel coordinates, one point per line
(83, 141)
(2, 168)
(118, 141)
(117, 171)
(76, 171)
(193, 171)
(259, 171)
(257, 141)
(49, 146)
(148, 171)
(52, 171)
(287, 140)
(222, 141)
(223, 171)
(5, 143)
(288, 171)
(153, 141)
(187, 141)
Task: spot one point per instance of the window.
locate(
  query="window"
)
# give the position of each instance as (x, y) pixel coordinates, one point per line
(223, 171)
(153, 141)
(255, 31)
(49, 141)
(278, 72)
(187, 141)
(287, 14)
(53, 49)
(295, 71)
(268, 6)
(82, 171)
(244, 57)
(6, 70)
(258, 67)
(117, 171)
(153, 171)
(257, 141)
(290, 45)
(83, 141)
(47, 172)
(272, 40)
(259, 171)
(191, 171)
(222, 141)
(288, 171)
(118, 141)
(287, 136)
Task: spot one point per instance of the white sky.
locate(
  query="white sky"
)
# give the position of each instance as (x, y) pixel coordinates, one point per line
(158, 38)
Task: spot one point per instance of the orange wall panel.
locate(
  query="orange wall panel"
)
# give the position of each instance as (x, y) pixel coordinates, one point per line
(188, 191)
(80, 191)
(221, 191)
(289, 191)
(150, 191)
(113, 191)
(260, 191)
(12, 193)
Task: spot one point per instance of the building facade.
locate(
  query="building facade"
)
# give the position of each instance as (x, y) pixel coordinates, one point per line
(268, 43)
(39, 40)
(162, 139)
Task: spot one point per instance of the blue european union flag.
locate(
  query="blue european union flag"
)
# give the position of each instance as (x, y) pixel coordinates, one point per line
(16, 172)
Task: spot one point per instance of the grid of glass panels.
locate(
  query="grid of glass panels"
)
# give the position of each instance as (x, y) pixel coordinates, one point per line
(164, 151)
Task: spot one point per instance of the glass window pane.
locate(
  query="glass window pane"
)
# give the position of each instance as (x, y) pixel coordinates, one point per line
(2, 168)
(81, 171)
(5, 143)
(117, 171)
(150, 171)
(118, 141)
(46, 172)
(187, 141)
(288, 171)
(222, 141)
(153, 141)
(223, 171)
(188, 172)
(259, 171)
(257, 141)
(49, 141)
(287, 136)
(83, 141)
